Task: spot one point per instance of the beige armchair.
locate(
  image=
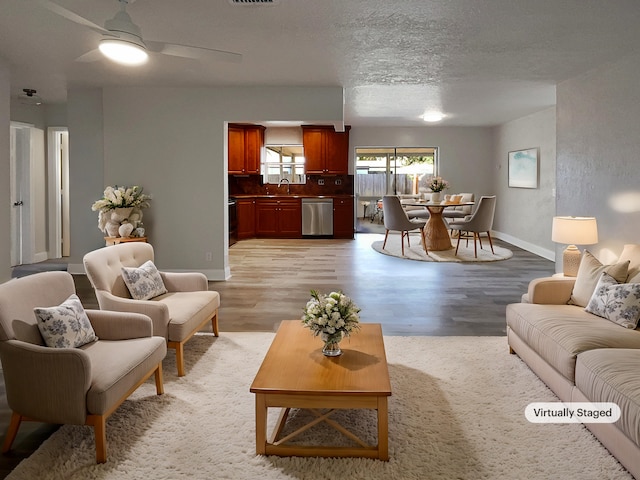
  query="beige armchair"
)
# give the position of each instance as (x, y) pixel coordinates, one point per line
(80, 386)
(177, 315)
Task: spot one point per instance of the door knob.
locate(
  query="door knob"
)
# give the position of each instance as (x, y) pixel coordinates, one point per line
(18, 204)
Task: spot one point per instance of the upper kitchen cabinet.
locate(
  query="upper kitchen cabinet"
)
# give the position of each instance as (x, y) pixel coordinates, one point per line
(326, 151)
(245, 149)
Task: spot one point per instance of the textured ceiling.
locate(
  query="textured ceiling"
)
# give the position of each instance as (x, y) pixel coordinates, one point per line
(480, 62)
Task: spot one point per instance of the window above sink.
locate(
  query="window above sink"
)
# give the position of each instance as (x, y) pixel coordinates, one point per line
(283, 162)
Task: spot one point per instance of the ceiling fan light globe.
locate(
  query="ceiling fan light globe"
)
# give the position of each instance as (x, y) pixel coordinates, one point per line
(123, 52)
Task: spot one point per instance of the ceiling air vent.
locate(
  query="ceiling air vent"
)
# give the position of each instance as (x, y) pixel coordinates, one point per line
(254, 2)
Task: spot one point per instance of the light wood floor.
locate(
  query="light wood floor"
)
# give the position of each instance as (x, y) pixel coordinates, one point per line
(271, 280)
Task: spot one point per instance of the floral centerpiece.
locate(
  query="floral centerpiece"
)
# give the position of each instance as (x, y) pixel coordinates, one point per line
(120, 210)
(331, 317)
(437, 184)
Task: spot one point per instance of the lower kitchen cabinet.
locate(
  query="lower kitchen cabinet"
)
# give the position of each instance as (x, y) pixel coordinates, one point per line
(246, 209)
(278, 218)
(343, 224)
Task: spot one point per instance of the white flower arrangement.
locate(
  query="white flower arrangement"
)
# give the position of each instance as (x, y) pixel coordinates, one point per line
(332, 317)
(110, 219)
(437, 184)
(121, 197)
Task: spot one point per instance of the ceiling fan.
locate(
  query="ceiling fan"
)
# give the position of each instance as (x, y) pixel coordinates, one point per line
(122, 39)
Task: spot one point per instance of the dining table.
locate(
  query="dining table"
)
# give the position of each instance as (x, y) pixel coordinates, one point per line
(436, 233)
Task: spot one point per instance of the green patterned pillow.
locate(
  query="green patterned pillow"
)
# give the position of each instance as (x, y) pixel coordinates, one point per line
(65, 326)
(618, 302)
(143, 282)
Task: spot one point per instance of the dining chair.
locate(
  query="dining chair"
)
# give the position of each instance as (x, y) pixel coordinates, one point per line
(395, 218)
(479, 222)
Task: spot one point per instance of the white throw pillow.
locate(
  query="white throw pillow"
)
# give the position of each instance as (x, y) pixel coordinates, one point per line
(65, 326)
(589, 274)
(618, 302)
(143, 282)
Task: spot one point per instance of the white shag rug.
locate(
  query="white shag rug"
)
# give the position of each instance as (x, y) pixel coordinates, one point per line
(457, 412)
(465, 253)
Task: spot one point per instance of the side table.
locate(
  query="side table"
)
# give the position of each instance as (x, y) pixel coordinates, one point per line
(116, 240)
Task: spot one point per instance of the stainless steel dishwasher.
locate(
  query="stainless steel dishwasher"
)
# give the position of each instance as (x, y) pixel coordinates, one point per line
(317, 217)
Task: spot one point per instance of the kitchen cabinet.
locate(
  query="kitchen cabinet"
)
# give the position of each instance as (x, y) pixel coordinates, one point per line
(278, 218)
(343, 224)
(245, 144)
(326, 151)
(246, 211)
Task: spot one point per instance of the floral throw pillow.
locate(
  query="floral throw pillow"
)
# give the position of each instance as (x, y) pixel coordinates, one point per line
(65, 326)
(143, 282)
(618, 302)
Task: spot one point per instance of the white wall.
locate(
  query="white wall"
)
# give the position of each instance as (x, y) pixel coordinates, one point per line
(5, 186)
(523, 215)
(465, 152)
(172, 142)
(598, 118)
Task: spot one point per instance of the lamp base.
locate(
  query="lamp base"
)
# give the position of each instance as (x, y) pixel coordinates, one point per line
(571, 261)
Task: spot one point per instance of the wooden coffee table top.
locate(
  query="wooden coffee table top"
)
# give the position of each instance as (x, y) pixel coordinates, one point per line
(295, 364)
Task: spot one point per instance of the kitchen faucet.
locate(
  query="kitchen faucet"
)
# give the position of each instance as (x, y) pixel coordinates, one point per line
(284, 180)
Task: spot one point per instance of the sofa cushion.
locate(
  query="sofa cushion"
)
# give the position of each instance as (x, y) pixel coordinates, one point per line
(611, 375)
(618, 302)
(65, 326)
(589, 274)
(631, 252)
(144, 282)
(558, 333)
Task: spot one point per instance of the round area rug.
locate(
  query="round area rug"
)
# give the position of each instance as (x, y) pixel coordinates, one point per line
(465, 253)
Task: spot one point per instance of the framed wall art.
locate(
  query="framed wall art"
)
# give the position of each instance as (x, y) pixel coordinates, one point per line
(523, 168)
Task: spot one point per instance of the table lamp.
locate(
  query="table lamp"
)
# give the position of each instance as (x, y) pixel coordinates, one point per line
(573, 231)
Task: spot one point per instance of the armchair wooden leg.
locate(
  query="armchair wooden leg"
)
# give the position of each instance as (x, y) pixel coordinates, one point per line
(179, 358)
(475, 245)
(458, 242)
(12, 431)
(214, 324)
(159, 381)
(99, 423)
(424, 241)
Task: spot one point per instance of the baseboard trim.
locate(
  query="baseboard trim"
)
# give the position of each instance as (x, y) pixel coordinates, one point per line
(529, 247)
(212, 275)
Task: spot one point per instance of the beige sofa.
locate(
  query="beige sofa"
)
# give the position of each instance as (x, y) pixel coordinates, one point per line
(583, 357)
(79, 385)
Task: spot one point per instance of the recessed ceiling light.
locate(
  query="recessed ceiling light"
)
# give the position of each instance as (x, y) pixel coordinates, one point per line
(432, 116)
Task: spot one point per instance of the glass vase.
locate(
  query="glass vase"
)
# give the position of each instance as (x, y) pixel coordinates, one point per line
(331, 349)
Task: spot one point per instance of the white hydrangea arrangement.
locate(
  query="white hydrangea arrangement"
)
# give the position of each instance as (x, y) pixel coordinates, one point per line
(110, 213)
(332, 317)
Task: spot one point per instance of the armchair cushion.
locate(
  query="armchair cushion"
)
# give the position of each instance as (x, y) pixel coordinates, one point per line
(65, 326)
(144, 282)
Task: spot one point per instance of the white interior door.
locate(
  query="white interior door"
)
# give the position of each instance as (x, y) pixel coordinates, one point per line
(22, 249)
(58, 186)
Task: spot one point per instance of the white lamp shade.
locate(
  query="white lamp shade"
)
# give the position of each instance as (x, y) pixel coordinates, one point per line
(574, 230)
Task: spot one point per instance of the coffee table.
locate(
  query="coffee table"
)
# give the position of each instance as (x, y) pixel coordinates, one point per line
(295, 374)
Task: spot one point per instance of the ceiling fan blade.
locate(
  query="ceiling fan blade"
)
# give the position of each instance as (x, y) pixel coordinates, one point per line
(91, 56)
(69, 15)
(196, 53)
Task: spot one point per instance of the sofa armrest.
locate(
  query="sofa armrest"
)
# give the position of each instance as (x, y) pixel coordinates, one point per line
(110, 325)
(44, 383)
(551, 290)
(157, 311)
(185, 281)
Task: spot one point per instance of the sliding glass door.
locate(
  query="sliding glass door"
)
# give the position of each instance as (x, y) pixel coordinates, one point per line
(391, 171)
